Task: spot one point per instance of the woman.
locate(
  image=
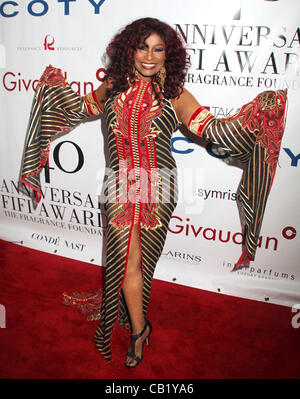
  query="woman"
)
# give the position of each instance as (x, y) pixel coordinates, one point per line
(144, 101)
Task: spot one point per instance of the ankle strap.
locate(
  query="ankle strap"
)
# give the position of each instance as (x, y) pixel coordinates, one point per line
(136, 336)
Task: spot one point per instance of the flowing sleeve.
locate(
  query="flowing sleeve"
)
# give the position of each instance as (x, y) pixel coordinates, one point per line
(253, 135)
(56, 108)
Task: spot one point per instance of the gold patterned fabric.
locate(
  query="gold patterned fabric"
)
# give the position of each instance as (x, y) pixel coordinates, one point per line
(139, 135)
(141, 187)
(55, 109)
(253, 135)
(142, 184)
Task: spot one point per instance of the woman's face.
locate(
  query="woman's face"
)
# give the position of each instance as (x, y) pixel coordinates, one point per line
(150, 56)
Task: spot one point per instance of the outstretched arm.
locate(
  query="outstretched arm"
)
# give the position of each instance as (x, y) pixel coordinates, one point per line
(56, 109)
(185, 106)
(101, 93)
(252, 135)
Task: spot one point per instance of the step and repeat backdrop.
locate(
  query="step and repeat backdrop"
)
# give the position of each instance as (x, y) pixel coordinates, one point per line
(237, 48)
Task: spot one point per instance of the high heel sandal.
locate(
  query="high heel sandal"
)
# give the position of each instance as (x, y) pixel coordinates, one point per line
(131, 354)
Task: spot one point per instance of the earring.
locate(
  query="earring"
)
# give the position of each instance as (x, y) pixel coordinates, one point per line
(132, 76)
(161, 77)
(135, 72)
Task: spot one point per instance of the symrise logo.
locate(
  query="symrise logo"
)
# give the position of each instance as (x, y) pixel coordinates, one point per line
(48, 42)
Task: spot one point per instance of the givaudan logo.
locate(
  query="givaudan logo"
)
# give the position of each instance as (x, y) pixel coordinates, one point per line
(16, 82)
(187, 228)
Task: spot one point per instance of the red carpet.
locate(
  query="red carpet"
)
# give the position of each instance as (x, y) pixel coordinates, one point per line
(196, 334)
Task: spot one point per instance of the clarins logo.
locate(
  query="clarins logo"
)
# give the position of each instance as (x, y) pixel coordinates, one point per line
(182, 257)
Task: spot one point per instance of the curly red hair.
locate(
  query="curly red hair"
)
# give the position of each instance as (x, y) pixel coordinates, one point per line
(122, 48)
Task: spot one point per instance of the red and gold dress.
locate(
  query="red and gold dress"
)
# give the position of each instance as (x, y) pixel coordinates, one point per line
(142, 185)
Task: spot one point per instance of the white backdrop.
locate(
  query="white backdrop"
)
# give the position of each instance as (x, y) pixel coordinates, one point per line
(237, 48)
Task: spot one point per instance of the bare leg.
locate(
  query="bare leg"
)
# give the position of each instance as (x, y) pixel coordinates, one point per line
(133, 293)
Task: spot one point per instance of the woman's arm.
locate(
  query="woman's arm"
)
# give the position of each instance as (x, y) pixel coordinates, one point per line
(56, 109)
(189, 112)
(253, 135)
(101, 92)
(185, 106)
